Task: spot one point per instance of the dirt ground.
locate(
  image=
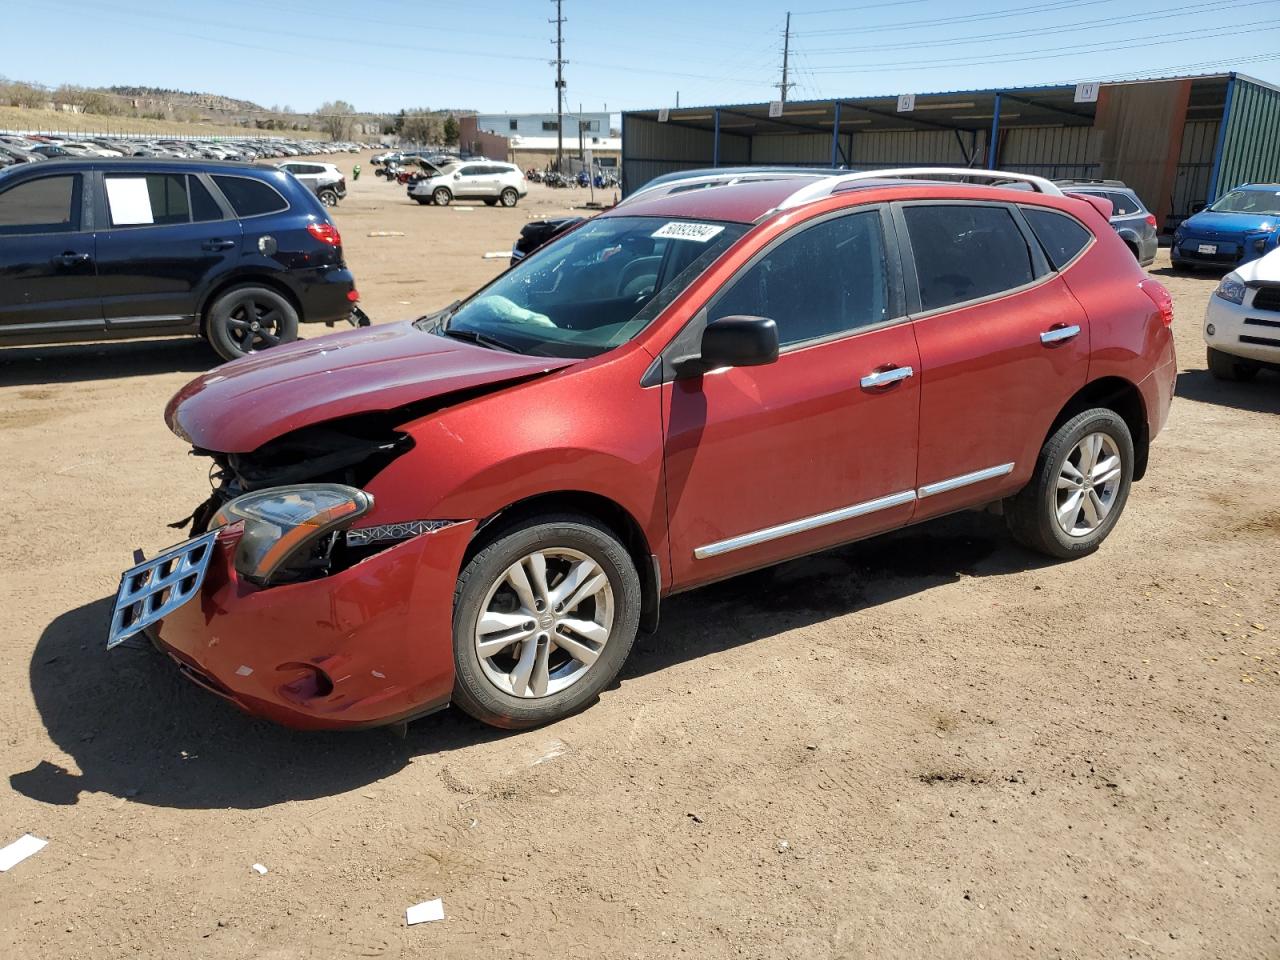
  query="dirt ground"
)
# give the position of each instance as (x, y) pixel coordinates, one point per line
(934, 744)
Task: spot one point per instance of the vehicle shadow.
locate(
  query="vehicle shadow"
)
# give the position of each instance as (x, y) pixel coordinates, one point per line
(79, 362)
(134, 728)
(1261, 395)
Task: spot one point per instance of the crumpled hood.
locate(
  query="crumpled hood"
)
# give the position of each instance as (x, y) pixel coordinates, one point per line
(1208, 224)
(237, 407)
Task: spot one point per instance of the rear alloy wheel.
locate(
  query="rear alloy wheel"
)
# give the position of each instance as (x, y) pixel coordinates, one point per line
(442, 196)
(244, 320)
(329, 198)
(543, 619)
(1079, 488)
(1224, 366)
(510, 197)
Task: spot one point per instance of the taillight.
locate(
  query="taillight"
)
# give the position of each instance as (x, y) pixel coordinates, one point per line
(1151, 219)
(325, 233)
(1160, 297)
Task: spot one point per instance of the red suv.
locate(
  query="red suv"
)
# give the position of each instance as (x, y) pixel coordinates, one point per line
(725, 371)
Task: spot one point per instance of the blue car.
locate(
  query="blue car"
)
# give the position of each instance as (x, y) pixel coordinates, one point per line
(1242, 226)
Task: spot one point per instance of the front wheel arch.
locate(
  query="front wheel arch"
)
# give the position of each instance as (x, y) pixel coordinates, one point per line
(608, 512)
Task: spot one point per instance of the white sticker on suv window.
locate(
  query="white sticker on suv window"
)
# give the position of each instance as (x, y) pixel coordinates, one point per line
(130, 202)
(697, 232)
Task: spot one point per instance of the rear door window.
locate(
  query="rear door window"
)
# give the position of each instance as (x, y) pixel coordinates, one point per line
(966, 252)
(250, 198)
(45, 205)
(151, 199)
(829, 279)
(1061, 236)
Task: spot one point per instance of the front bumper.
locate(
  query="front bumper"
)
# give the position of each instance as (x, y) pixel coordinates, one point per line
(1241, 330)
(1227, 251)
(370, 645)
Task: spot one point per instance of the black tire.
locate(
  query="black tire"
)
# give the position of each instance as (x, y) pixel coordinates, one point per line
(1223, 366)
(509, 197)
(479, 696)
(228, 321)
(441, 196)
(1032, 513)
(490, 202)
(1177, 264)
(328, 197)
(423, 200)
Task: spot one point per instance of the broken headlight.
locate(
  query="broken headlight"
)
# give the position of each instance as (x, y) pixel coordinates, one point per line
(289, 530)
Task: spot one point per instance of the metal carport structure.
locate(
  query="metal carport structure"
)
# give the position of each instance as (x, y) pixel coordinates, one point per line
(1178, 141)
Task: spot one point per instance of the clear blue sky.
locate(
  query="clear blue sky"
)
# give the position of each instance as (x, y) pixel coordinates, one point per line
(493, 55)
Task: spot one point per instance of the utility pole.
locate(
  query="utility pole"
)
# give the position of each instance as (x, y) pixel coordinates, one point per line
(784, 86)
(559, 63)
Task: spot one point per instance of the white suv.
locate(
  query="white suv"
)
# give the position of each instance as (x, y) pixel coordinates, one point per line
(485, 180)
(1242, 323)
(325, 180)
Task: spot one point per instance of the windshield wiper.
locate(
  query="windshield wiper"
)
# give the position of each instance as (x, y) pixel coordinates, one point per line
(481, 339)
(434, 322)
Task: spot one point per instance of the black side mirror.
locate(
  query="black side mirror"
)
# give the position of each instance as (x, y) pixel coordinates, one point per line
(736, 342)
(1197, 207)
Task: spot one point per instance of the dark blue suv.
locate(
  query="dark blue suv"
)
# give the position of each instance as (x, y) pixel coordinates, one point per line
(105, 249)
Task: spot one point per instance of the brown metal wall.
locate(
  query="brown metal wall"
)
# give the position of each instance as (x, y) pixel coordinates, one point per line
(1142, 126)
(1195, 164)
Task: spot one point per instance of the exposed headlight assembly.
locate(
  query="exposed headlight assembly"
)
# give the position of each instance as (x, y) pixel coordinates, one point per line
(283, 526)
(1231, 289)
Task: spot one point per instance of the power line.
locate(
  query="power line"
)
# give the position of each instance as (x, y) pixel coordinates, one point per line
(1126, 20)
(1053, 53)
(964, 18)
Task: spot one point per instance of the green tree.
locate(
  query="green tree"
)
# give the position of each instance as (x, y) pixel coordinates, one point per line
(450, 130)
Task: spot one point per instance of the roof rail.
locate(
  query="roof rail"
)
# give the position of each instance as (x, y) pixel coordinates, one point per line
(706, 178)
(828, 185)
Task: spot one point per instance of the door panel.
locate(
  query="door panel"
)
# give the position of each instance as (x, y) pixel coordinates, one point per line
(752, 448)
(47, 275)
(990, 388)
(151, 274)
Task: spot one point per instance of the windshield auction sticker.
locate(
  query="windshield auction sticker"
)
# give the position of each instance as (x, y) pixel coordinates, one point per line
(697, 232)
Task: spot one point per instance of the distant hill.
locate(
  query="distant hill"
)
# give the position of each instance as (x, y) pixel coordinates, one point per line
(208, 102)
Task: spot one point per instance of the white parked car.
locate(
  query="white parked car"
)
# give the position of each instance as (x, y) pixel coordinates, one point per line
(1242, 323)
(325, 180)
(489, 181)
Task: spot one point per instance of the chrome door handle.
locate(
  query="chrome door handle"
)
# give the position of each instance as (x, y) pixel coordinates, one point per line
(883, 378)
(1058, 334)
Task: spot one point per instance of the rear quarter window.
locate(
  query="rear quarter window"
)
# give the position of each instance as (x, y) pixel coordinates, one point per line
(250, 198)
(1061, 236)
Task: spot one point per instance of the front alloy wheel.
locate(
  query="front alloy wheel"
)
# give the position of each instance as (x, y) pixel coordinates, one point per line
(533, 639)
(544, 616)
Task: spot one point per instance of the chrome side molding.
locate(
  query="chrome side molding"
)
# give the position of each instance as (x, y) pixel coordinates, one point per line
(806, 524)
(955, 483)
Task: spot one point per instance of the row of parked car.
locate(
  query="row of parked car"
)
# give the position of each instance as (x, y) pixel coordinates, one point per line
(32, 148)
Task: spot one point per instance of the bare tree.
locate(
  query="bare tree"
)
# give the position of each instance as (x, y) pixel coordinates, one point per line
(422, 127)
(335, 119)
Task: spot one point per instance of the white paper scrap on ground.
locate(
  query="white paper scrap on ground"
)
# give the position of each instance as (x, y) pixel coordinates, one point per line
(425, 912)
(259, 868)
(497, 255)
(20, 849)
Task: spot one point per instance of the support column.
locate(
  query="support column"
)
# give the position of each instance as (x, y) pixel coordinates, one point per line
(715, 146)
(835, 138)
(1216, 170)
(993, 145)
